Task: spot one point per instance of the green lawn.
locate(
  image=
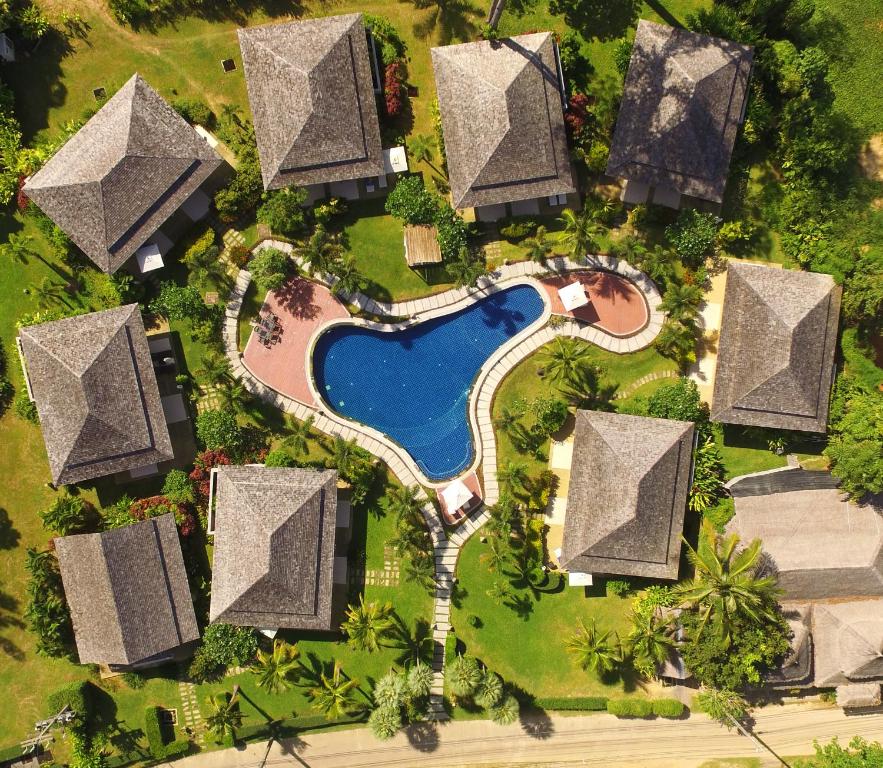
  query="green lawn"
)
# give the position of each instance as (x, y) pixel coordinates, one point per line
(528, 651)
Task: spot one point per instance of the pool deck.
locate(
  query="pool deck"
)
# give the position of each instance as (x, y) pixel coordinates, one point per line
(446, 548)
(615, 305)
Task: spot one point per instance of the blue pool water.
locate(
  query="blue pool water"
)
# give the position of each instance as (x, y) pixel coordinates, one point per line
(413, 384)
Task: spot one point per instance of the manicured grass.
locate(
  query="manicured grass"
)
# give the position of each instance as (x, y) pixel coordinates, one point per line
(743, 455)
(529, 651)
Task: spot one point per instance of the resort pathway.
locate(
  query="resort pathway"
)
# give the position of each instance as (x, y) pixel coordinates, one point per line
(447, 548)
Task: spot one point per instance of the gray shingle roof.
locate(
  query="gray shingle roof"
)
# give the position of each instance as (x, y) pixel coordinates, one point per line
(96, 394)
(127, 592)
(502, 120)
(821, 545)
(681, 108)
(115, 182)
(796, 669)
(775, 361)
(848, 641)
(274, 547)
(312, 100)
(629, 479)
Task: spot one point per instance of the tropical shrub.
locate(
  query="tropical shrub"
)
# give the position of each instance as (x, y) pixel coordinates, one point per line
(453, 232)
(516, 228)
(46, 613)
(391, 44)
(77, 696)
(200, 476)
(630, 707)
(679, 400)
(155, 506)
(670, 708)
(244, 190)
(67, 514)
(195, 112)
(179, 302)
(617, 587)
(24, 407)
(223, 645)
(218, 430)
(270, 268)
(178, 488)
(411, 202)
(10, 144)
(572, 703)
(239, 255)
(280, 458)
(394, 88)
(693, 235)
(283, 212)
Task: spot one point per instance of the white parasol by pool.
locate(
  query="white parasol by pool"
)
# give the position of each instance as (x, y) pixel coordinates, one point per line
(573, 296)
(456, 495)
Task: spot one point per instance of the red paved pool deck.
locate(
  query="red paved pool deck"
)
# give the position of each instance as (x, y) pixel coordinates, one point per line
(615, 304)
(302, 307)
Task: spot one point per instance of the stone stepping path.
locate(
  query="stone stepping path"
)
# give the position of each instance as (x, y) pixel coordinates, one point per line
(192, 719)
(638, 383)
(445, 549)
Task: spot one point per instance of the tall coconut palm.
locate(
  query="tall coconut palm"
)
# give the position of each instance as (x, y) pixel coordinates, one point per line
(420, 569)
(726, 587)
(47, 293)
(538, 247)
(349, 279)
(512, 474)
(677, 341)
(422, 149)
(650, 641)
(594, 650)
(367, 624)
(563, 358)
(467, 269)
(681, 302)
(215, 370)
(343, 454)
(235, 397)
(298, 440)
(449, 19)
(404, 501)
(414, 645)
(224, 717)
(275, 669)
(321, 251)
(334, 697)
(580, 232)
(495, 556)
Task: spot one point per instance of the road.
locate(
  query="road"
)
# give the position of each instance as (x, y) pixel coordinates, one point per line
(597, 740)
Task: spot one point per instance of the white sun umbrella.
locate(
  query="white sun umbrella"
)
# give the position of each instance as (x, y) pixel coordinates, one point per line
(456, 495)
(573, 296)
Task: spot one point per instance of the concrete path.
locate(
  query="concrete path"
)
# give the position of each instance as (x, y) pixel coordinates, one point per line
(598, 740)
(447, 549)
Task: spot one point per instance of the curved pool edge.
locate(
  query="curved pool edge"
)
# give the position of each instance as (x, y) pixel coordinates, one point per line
(472, 399)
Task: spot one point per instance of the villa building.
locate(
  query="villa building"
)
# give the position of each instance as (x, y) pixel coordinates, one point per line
(775, 363)
(827, 554)
(93, 382)
(627, 492)
(128, 594)
(683, 101)
(280, 546)
(134, 167)
(502, 114)
(312, 88)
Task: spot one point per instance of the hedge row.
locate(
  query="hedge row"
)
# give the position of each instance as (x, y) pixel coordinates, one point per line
(671, 708)
(158, 748)
(77, 696)
(573, 703)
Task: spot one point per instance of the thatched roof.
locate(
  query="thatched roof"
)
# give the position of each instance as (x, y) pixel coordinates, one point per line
(629, 479)
(681, 108)
(96, 394)
(502, 120)
(115, 182)
(821, 545)
(312, 100)
(848, 640)
(796, 668)
(274, 547)
(860, 695)
(421, 245)
(127, 592)
(775, 359)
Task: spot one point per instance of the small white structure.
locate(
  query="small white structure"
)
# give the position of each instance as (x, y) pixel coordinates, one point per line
(149, 258)
(395, 160)
(207, 137)
(576, 579)
(573, 296)
(7, 49)
(456, 496)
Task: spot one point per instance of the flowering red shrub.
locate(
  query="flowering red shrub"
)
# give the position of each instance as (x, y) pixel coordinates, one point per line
(201, 474)
(394, 88)
(21, 199)
(577, 113)
(154, 506)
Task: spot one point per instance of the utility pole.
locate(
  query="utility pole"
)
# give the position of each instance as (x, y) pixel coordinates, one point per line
(29, 746)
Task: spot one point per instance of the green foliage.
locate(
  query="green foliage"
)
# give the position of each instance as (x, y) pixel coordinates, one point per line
(78, 696)
(243, 191)
(859, 754)
(282, 211)
(670, 708)
(280, 458)
(453, 232)
(411, 202)
(118, 514)
(10, 144)
(679, 400)
(32, 22)
(516, 228)
(693, 235)
(571, 703)
(153, 732)
(195, 112)
(622, 56)
(67, 514)
(617, 587)
(134, 680)
(223, 645)
(463, 675)
(177, 488)
(367, 624)
(385, 722)
(179, 302)
(130, 11)
(708, 477)
(720, 513)
(723, 705)
(390, 44)
(270, 268)
(629, 707)
(218, 429)
(24, 407)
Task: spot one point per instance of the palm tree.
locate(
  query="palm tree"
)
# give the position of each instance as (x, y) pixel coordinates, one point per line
(419, 679)
(452, 18)
(726, 587)
(298, 442)
(593, 649)
(48, 293)
(422, 149)
(235, 397)
(420, 569)
(563, 358)
(499, 591)
(650, 641)
(583, 387)
(466, 270)
(215, 369)
(18, 247)
(513, 473)
(275, 669)
(463, 675)
(489, 690)
(366, 624)
(404, 501)
(343, 454)
(333, 697)
(580, 232)
(677, 341)
(507, 711)
(225, 716)
(496, 556)
(415, 647)
(321, 251)
(681, 302)
(349, 280)
(538, 246)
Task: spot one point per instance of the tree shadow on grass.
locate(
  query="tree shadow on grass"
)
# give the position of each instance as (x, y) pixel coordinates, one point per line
(9, 536)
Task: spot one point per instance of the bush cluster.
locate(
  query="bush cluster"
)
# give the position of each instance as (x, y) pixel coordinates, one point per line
(394, 88)
(159, 748)
(77, 696)
(572, 703)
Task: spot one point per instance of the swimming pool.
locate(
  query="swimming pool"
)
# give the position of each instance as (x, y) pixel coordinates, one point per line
(413, 384)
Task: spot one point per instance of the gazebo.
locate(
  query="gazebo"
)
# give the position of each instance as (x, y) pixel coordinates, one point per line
(573, 296)
(455, 499)
(421, 245)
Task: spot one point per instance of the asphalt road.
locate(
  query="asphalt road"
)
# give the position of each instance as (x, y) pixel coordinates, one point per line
(559, 741)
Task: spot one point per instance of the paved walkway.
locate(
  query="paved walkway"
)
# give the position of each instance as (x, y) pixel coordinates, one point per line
(446, 549)
(596, 740)
(615, 306)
